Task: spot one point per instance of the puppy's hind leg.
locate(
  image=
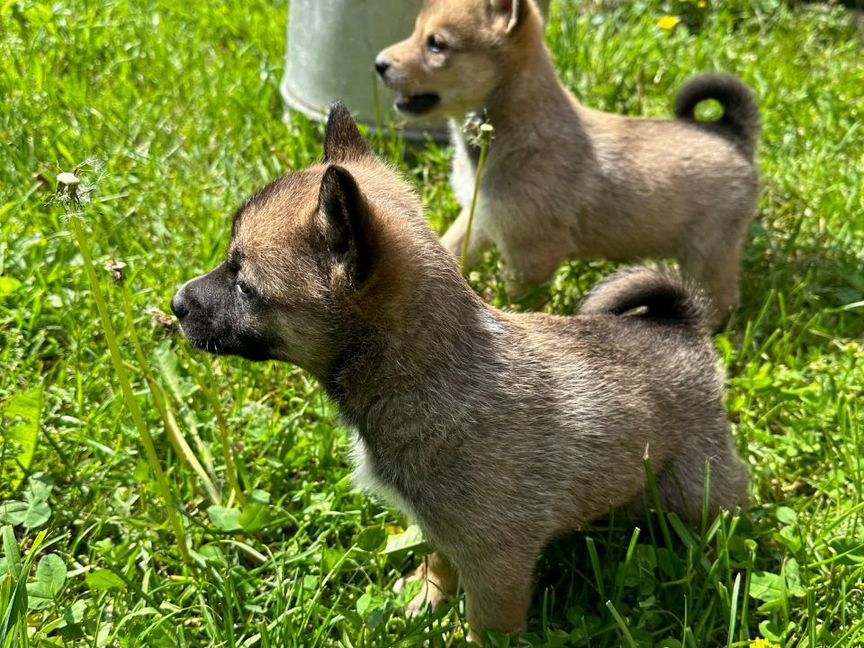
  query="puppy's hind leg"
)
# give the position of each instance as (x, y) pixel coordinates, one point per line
(439, 580)
(717, 271)
(454, 239)
(528, 264)
(682, 483)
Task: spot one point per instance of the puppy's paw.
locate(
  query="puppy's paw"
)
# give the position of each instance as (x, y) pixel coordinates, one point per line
(403, 583)
(429, 595)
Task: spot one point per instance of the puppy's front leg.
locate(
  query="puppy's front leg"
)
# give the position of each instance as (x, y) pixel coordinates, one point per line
(454, 239)
(439, 580)
(498, 589)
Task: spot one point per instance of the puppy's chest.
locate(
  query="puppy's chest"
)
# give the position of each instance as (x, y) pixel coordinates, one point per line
(507, 196)
(463, 177)
(382, 480)
(494, 203)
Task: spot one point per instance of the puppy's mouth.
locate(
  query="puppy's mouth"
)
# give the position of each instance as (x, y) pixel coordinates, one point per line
(210, 345)
(244, 346)
(417, 104)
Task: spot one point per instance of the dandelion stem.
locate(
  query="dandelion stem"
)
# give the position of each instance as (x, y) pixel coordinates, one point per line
(379, 120)
(126, 388)
(485, 136)
(225, 433)
(164, 408)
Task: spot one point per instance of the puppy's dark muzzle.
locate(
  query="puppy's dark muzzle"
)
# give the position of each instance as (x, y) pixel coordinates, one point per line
(179, 305)
(195, 305)
(188, 310)
(199, 298)
(216, 318)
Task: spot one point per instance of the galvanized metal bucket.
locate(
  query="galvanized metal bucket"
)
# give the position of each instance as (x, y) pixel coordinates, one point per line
(332, 45)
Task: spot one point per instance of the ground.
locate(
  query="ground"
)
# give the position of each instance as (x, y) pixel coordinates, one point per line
(172, 116)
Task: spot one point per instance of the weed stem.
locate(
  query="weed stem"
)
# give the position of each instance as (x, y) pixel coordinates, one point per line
(486, 131)
(126, 388)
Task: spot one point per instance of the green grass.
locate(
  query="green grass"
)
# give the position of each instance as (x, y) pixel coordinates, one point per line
(177, 114)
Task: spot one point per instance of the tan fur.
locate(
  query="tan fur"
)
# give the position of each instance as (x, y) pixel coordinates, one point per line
(497, 432)
(565, 181)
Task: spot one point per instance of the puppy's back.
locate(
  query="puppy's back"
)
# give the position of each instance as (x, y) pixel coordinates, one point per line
(637, 356)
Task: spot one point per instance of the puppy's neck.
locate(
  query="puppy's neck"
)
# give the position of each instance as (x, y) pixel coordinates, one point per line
(393, 371)
(531, 93)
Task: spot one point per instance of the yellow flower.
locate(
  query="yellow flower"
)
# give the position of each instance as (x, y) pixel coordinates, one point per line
(701, 4)
(668, 23)
(761, 642)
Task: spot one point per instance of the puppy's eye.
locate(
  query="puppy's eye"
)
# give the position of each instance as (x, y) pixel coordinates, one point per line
(435, 44)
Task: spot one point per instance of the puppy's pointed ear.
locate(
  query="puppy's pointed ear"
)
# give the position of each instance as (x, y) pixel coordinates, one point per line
(509, 12)
(346, 223)
(343, 140)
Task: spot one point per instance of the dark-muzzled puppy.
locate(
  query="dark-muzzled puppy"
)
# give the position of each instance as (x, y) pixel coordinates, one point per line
(497, 432)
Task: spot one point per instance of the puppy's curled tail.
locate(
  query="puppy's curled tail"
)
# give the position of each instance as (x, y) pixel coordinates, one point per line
(740, 113)
(657, 295)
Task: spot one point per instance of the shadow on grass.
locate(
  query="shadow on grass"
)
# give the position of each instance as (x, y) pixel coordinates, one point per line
(803, 287)
(620, 578)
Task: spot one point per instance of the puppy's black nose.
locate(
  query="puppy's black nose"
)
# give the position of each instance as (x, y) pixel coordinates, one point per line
(178, 305)
(382, 65)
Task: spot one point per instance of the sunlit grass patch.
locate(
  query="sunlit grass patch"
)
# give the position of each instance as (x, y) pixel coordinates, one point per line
(179, 110)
